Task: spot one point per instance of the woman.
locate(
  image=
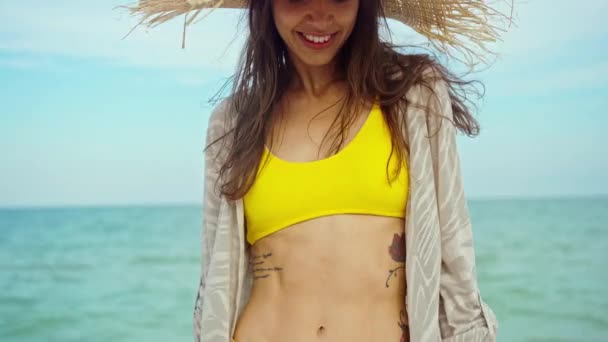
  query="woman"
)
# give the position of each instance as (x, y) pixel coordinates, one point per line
(305, 239)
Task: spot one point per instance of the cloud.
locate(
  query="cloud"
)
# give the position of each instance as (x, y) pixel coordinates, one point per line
(26, 63)
(95, 30)
(553, 80)
(545, 26)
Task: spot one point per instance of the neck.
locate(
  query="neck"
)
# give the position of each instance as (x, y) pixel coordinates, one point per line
(314, 82)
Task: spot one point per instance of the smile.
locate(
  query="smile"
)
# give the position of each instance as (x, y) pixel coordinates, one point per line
(317, 42)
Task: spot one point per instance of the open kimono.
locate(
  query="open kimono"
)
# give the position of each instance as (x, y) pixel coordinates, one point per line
(442, 300)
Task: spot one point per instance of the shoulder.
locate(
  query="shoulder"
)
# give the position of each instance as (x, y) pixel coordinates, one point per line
(220, 119)
(219, 113)
(218, 126)
(419, 76)
(430, 83)
(432, 93)
(411, 68)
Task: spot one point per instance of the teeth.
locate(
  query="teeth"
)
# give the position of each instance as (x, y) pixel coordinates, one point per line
(317, 39)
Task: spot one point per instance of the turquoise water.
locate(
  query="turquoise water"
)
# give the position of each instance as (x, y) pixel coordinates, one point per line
(130, 273)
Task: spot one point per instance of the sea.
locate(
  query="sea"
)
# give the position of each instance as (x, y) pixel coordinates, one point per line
(130, 273)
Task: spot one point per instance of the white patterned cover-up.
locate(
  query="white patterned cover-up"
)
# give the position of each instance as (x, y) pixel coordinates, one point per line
(442, 300)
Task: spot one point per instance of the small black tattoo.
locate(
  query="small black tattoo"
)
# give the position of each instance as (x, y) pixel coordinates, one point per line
(404, 325)
(394, 273)
(261, 272)
(268, 269)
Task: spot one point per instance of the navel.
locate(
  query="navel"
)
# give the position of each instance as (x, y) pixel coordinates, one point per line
(321, 330)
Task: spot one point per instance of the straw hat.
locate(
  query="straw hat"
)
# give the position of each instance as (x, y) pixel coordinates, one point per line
(446, 23)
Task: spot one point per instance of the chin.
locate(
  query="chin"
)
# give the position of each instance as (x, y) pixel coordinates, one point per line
(317, 62)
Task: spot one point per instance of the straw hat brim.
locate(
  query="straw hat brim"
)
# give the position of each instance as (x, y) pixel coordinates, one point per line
(458, 24)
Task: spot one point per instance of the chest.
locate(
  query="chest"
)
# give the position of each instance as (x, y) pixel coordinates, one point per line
(305, 131)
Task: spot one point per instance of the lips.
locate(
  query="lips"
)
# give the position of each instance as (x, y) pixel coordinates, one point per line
(317, 46)
(317, 39)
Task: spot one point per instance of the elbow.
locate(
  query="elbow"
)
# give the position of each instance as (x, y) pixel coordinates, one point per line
(477, 323)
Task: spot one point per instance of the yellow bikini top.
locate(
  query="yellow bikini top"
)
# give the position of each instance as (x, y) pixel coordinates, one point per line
(352, 181)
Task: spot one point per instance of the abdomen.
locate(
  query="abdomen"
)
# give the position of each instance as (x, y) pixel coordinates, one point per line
(332, 278)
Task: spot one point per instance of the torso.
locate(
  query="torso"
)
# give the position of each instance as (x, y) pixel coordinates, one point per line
(331, 278)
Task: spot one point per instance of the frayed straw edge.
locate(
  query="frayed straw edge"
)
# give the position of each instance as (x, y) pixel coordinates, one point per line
(469, 25)
(156, 12)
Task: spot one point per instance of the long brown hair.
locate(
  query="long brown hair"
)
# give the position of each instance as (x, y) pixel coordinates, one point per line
(372, 68)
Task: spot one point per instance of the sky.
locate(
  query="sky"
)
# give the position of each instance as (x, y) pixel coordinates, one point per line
(89, 117)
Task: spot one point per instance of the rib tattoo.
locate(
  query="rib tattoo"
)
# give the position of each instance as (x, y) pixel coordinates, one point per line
(397, 252)
(257, 262)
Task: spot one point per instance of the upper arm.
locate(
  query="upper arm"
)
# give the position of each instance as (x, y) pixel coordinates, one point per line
(211, 207)
(462, 311)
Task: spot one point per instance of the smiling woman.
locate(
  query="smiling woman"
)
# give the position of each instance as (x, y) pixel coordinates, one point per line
(300, 34)
(364, 238)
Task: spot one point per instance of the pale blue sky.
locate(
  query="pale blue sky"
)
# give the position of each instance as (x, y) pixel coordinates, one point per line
(88, 118)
